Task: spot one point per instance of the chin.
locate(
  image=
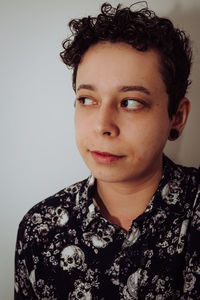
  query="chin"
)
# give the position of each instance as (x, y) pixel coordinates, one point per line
(112, 177)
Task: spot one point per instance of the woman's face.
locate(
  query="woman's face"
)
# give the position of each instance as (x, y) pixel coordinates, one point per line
(121, 115)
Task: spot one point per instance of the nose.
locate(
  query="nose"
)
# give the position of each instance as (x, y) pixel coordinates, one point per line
(106, 123)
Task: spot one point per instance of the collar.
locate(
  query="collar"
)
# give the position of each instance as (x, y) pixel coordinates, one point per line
(88, 210)
(171, 197)
(176, 192)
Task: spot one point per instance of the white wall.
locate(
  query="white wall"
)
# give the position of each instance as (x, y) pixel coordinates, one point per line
(38, 154)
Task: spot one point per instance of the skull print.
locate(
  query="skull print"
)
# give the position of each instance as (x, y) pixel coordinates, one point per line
(72, 257)
(101, 238)
(61, 216)
(81, 292)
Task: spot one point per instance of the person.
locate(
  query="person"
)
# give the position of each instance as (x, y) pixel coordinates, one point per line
(131, 230)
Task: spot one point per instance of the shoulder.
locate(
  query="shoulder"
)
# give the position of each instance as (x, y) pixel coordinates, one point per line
(181, 170)
(180, 188)
(191, 287)
(53, 213)
(189, 178)
(186, 178)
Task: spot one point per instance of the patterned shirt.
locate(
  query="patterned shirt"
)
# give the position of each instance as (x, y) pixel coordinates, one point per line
(67, 250)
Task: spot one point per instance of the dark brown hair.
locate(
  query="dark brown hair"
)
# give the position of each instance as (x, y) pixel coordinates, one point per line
(143, 30)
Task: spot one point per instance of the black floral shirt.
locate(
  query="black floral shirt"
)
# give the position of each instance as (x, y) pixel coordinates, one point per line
(67, 250)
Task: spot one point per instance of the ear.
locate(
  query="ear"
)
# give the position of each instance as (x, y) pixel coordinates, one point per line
(180, 118)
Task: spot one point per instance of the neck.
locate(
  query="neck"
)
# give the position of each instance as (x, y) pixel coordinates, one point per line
(123, 202)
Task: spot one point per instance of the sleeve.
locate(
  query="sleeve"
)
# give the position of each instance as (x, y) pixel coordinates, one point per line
(191, 288)
(23, 285)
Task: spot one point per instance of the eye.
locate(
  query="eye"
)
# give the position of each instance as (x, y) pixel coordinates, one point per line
(85, 101)
(131, 104)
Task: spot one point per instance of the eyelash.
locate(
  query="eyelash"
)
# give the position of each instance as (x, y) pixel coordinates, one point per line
(139, 102)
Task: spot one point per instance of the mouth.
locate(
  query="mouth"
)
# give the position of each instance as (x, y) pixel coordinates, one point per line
(105, 157)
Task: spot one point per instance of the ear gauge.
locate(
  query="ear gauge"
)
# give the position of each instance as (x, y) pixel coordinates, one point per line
(174, 134)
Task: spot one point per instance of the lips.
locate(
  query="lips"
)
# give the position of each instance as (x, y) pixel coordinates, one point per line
(105, 157)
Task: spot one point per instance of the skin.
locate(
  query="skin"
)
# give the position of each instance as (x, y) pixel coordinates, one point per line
(122, 125)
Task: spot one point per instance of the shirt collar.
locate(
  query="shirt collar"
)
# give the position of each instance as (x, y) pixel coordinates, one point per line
(90, 213)
(168, 197)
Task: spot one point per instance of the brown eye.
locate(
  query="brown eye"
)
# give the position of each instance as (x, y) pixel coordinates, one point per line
(85, 101)
(131, 104)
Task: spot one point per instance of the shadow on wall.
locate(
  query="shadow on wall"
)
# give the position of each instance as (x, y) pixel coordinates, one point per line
(187, 148)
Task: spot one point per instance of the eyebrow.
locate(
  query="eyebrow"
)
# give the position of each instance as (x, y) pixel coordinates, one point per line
(86, 87)
(125, 88)
(137, 88)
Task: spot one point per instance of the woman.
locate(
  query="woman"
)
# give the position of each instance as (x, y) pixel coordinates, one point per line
(131, 230)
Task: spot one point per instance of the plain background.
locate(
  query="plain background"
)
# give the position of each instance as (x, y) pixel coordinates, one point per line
(38, 153)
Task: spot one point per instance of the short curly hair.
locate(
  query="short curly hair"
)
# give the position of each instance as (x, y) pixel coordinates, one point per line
(143, 30)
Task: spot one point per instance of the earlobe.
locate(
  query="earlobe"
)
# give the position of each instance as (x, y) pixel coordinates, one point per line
(179, 119)
(174, 134)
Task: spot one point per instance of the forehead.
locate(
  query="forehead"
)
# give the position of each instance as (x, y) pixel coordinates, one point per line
(119, 64)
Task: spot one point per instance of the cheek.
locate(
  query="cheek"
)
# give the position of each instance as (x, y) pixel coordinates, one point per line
(82, 129)
(148, 134)
(78, 128)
